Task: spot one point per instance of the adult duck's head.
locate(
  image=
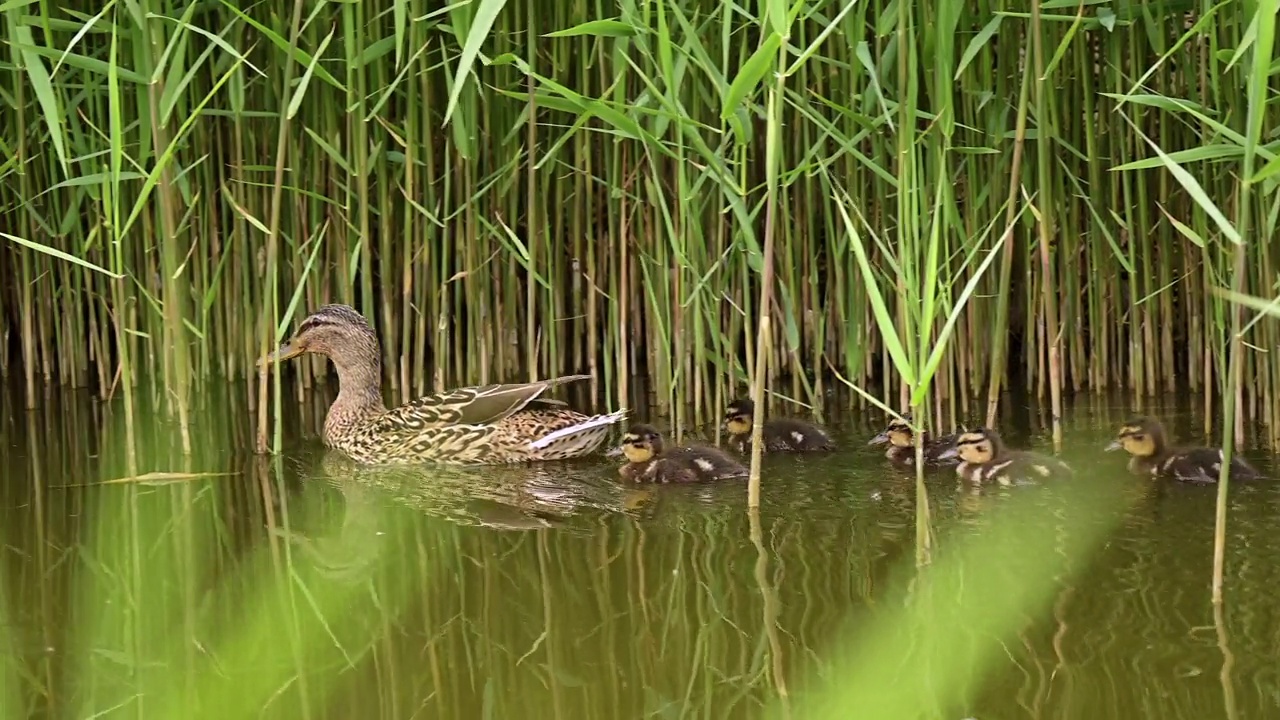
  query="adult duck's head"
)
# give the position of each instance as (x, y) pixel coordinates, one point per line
(337, 332)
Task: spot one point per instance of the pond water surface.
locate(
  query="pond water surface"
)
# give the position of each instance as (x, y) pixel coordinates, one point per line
(301, 586)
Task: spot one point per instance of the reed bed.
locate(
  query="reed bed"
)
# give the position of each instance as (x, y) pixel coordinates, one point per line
(520, 189)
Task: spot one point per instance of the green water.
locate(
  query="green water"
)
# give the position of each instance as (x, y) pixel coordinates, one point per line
(303, 587)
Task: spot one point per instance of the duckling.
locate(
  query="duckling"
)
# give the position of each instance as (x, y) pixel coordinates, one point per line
(1150, 455)
(779, 434)
(649, 460)
(984, 457)
(902, 449)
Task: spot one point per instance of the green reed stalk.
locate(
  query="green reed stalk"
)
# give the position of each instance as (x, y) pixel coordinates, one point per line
(268, 336)
(113, 207)
(1045, 221)
(776, 24)
(150, 38)
(1232, 419)
(999, 338)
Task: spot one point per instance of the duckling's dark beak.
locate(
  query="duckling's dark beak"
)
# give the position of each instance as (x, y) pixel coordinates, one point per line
(1115, 445)
(284, 352)
(880, 439)
(615, 451)
(948, 453)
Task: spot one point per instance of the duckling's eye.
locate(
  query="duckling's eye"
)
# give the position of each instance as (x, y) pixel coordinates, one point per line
(1139, 437)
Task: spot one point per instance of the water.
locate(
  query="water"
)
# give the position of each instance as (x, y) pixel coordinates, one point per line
(305, 587)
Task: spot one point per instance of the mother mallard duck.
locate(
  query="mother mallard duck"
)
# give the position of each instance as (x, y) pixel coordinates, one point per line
(478, 425)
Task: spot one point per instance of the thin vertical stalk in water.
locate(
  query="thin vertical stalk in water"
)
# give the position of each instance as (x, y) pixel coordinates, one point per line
(113, 207)
(531, 225)
(1258, 89)
(270, 291)
(178, 388)
(999, 330)
(24, 188)
(773, 123)
(1044, 161)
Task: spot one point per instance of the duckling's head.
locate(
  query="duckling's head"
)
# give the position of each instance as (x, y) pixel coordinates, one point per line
(336, 331)
(898, 433)
(642, 443)
(1140, 437)
(737, 418)
(977, 447)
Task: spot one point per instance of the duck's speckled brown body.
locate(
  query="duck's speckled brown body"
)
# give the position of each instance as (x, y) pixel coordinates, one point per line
(1151, 456)
(778, 435)
(487, 424)
(650, 461)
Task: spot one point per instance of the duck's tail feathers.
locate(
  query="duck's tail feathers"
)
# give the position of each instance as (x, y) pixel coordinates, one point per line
(580, 438)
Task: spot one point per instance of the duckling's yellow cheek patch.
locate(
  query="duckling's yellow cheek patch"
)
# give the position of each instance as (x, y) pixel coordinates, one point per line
(1140, 445)
(900, 438)
(978, 453)
(637, 453)
(739, 425)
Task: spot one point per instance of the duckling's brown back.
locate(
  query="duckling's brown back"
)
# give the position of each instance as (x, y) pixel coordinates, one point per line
(1202, 465)
(709, 463)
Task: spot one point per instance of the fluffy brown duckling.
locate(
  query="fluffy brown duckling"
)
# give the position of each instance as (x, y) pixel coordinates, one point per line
(902, 451)
(984, 458)
(649, 460)
(1150, 455)
(779, 434)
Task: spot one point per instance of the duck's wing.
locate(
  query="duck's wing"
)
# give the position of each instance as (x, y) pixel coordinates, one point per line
(476, 405)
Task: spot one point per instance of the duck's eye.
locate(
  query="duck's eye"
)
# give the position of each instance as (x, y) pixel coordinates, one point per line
(1139, 438)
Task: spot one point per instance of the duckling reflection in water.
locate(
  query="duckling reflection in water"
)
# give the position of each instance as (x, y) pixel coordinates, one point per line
(902, 451)
(984, 458)
(777, 435)
(1151, 456)
(649, 460)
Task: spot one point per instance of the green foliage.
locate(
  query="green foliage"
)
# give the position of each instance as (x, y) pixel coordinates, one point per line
(617, 161)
